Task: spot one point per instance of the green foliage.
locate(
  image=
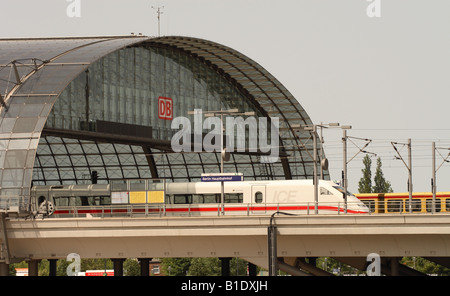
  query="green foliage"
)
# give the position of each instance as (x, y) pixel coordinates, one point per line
(425, 266)
(175, 266)
(238, 266)
(202, 266)
(131, 267)
(205, 267)
(381, 184)
(365, 183)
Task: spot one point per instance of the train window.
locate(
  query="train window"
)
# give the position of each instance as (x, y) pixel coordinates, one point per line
(198, 199)
(394, 206)
(84, 200)
(370, 203)
(105, 200)
(61, 201)
(416, 205)
(234, 197)
(211, 198)
(324, 191)
(258, 197)
(41, 199)
(342, 190)
(430, 205)
(182, 199)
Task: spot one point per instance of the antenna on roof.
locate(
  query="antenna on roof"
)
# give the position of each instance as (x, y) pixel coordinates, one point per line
(159, 12)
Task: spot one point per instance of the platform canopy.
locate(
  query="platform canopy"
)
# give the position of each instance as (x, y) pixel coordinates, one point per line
(74, 106)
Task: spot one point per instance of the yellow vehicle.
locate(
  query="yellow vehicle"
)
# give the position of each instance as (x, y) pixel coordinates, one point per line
(399, 202)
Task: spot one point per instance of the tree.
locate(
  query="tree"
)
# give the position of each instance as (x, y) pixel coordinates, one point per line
(365, 183)
(381, 185)
(204, 267)
(425, 266)
(175, 266)
(131, 267)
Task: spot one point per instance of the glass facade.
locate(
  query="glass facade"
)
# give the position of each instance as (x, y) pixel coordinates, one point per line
(79, 105)
(125, 85)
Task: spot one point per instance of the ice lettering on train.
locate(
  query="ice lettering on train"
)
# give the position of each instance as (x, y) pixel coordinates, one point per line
(286, 195)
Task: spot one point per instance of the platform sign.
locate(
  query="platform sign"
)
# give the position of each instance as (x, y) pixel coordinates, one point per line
(138, 197)
(155, 196)
(222, 177)
(119, 197)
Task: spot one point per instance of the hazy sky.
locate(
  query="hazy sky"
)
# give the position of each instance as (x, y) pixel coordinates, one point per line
(386, 76)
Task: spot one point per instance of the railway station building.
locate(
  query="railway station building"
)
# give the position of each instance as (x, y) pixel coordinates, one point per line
(97, 109)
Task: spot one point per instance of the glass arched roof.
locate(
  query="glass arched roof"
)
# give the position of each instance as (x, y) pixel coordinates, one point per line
(35, 72)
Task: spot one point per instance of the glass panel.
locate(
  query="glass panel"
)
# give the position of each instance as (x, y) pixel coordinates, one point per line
(12, 178)
(24, 125)
(429, 203)
(395, 206)
(15, 159)
(258, 197)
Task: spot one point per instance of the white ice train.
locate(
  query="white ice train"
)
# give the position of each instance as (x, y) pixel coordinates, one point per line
(150, 197)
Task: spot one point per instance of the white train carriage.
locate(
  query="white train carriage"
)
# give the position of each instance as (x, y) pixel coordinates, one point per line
(194, 198)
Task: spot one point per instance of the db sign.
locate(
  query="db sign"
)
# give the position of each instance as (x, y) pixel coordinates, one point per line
(165, 108)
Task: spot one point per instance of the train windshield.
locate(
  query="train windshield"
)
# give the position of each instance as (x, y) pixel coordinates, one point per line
(342, 190)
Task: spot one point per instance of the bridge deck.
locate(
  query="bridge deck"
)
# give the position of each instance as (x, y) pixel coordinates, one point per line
(231, 236)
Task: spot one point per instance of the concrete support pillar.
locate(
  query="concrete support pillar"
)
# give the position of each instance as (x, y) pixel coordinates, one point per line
(145, 266)
(118, 266)
(251, 269)
(394, 266)
(4, 269)
(52, 267)
(225, 266)
(33, 267)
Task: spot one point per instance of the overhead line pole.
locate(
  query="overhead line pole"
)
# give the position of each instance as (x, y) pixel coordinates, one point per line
(434, 170)
(410, 175)
(313, 129)
(409, 167)
(433, 179)
(344, 174)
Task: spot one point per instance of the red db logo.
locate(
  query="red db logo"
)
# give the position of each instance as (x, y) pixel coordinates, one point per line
(165, 108)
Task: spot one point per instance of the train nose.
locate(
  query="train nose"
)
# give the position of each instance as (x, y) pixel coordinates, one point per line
(363, 208)
(358, 208)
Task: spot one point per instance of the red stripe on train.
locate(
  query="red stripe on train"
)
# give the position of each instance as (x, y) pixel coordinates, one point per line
(209, 209)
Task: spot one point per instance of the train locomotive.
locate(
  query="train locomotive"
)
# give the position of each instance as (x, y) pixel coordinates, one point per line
(157, 197)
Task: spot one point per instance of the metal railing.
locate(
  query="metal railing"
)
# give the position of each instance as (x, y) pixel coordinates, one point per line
(13, 204)
(404, 206)
(16, 204)
(197, 210)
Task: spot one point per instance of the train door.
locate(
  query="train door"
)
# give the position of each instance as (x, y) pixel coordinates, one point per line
(258, 198)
